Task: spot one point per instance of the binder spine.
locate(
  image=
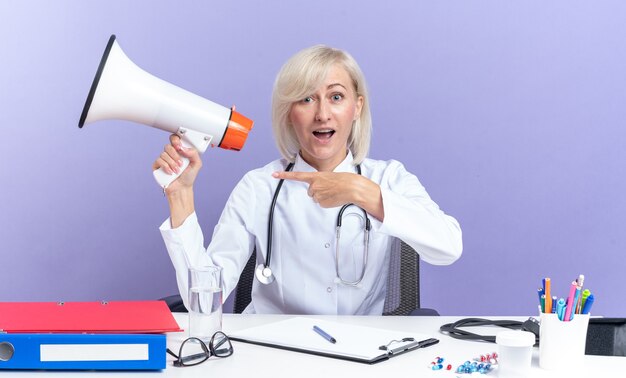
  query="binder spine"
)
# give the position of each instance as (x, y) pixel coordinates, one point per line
(82, 351)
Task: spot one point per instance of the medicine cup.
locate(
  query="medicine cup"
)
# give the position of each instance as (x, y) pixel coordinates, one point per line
(515, 352)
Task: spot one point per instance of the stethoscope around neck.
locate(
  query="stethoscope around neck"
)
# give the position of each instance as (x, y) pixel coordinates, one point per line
(264, 273)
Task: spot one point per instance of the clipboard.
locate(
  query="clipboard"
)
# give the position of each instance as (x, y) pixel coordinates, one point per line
(353, 343)
(89, 317)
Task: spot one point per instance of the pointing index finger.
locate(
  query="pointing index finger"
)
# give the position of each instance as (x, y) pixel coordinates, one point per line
(296, 176)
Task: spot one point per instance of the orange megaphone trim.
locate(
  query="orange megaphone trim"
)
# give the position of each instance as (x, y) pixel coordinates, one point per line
(236, 132)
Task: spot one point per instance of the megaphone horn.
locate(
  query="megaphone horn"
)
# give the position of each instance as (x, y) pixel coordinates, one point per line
(122, 90)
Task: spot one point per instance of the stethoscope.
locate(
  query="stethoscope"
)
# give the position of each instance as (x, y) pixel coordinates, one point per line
(264, 273)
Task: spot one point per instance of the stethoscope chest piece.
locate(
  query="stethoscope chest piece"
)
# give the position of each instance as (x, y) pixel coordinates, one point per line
(264, 274)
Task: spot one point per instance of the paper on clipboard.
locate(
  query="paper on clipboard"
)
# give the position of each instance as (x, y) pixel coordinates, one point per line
(354, 343)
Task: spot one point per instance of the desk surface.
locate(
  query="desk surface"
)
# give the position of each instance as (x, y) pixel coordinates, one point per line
(257, 361)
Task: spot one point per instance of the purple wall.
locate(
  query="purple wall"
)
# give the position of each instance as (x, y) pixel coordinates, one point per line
(512, 116)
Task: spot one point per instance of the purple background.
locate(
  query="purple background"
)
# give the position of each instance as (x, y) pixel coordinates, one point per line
(511, 115)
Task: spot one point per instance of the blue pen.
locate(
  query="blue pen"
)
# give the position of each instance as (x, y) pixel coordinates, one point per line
(588, 304)
(576, 296)
(324, 334)
(553, 309)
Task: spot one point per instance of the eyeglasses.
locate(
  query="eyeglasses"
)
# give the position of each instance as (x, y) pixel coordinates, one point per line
(219, 346)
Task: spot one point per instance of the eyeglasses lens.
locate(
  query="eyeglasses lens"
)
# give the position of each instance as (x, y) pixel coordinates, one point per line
(221, 345)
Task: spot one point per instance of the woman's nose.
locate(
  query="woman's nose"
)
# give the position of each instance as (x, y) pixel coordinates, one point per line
(322, 113)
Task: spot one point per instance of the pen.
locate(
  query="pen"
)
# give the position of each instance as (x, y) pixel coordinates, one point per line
(548, 302)
(560, 308)
(580, 281)
(570, 302)
(324, 334)
(588, 304)
(586, 293)
(574, 308)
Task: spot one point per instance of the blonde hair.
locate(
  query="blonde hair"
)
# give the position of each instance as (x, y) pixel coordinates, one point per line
(298, 78)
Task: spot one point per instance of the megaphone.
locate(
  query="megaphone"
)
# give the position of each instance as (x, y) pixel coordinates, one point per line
(122, 90)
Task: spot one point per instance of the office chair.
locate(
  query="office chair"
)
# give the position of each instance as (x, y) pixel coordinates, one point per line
(403, 283)
(403, 289)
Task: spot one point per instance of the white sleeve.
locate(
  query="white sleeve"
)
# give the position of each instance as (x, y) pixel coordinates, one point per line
(185, 246)
(230, 247)
(412, 216)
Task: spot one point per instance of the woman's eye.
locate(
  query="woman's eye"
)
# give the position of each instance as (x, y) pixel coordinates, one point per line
(337, 97)
(308, 99)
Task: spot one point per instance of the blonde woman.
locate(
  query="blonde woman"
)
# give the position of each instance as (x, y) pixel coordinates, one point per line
(322, 126)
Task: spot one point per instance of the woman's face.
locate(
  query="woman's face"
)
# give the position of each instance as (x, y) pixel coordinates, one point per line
(323, 120)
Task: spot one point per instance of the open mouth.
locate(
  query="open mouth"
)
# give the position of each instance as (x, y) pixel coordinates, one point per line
(324, 134)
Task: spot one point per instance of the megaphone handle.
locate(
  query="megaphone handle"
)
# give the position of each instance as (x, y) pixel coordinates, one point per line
(163, 178)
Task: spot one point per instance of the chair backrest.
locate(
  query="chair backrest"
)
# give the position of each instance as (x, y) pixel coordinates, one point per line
(243, 290)
(403, 283)
(403, 286)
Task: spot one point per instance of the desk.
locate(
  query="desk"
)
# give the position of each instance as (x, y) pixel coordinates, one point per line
(256, 361)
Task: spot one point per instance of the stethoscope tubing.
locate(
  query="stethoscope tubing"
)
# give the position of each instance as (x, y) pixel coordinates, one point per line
(263, 271)
(270, 221)
(368, 227)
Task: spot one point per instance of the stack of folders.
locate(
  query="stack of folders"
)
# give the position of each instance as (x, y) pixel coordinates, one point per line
(84, 335)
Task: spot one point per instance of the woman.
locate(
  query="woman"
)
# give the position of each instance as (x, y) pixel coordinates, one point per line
(322, 126)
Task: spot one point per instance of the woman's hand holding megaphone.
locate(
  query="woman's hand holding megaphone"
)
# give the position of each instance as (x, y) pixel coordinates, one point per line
(179, 158)
(180, 191)
(174, 160)
(171, 161)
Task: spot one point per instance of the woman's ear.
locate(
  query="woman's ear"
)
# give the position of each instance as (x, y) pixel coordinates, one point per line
(359, 107)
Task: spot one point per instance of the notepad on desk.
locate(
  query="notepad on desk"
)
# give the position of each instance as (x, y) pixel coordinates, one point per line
(353, 342)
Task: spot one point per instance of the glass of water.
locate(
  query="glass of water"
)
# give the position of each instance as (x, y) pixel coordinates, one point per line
(205, 301)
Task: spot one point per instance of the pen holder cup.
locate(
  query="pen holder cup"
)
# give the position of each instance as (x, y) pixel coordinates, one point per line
(205, 301)
(561, 343)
